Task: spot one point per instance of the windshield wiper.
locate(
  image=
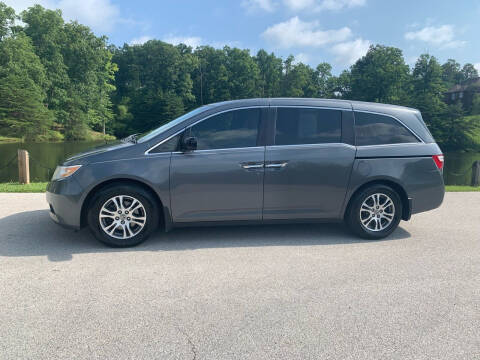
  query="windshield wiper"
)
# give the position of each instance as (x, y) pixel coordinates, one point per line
(130, 138)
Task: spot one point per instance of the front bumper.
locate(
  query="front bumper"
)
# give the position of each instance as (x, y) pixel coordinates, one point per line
(64, 199)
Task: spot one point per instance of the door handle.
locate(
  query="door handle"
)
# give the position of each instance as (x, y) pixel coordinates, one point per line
(276, 165)
(251, 166)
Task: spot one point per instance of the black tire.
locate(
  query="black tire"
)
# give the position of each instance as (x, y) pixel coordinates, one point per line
(353, 216)
(149, 211)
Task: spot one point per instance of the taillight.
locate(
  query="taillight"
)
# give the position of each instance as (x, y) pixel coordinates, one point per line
(439, 160)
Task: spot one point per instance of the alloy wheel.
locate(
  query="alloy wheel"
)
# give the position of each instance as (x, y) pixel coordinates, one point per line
(122, 217)
(377, 212)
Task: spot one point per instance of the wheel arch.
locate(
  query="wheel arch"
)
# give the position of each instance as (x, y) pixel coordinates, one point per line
(399, 189)
(164, 212)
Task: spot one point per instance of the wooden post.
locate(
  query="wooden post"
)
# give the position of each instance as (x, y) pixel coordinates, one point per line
(476, 173)
(23, 167)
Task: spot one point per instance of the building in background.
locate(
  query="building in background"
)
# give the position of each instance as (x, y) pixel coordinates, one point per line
(464, 92)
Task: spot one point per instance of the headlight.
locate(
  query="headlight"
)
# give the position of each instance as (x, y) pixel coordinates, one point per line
(62, 172)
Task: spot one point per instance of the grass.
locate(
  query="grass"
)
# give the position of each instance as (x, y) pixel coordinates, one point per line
(37, 187)
(97, 136)
(55, 136)
(6, 140)
(461, 188)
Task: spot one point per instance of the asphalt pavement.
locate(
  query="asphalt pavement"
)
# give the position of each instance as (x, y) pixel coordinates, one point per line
(258, 292)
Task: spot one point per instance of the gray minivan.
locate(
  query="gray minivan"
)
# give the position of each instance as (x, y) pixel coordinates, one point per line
(256, 161)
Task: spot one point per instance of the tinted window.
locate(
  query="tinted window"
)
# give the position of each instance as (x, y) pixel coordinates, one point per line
(167, 146)
(307, 126)
(232, 129)
(373, 129)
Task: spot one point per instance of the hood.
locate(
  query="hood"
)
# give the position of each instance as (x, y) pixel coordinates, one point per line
(95, 153)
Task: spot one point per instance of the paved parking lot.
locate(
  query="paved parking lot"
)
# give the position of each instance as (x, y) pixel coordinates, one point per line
(268, 292)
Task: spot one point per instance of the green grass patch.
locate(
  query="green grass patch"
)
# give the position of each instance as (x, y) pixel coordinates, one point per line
(461, 188)
(37, 187)
(6, 139)
(97, 136)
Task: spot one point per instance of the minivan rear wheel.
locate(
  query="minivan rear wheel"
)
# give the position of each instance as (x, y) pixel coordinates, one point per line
(123, 216)
(375, 212)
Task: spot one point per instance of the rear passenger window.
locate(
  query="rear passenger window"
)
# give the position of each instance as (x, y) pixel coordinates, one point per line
(374, 129)
(308, 126)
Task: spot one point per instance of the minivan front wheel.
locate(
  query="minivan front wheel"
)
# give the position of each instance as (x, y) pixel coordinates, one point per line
(375, 212)
(122, 216)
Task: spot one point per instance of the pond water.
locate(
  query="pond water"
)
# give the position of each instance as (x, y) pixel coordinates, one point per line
(44, 157)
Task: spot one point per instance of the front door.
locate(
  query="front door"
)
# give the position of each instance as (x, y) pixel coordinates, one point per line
(223, 178)
(308, 168)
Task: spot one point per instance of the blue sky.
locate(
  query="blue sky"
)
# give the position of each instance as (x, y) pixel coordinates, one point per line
(336, 31)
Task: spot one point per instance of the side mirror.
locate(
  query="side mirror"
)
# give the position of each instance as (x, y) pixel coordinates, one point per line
(189, 143)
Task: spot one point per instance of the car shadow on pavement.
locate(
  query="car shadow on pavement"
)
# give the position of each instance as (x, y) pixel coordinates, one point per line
(33, 233)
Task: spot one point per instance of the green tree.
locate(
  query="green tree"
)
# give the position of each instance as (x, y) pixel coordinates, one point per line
(7, 20)
(428, 89)
(380, 76)
(270, 68)
(153, 84)
(91, 74)
(45, 29)
(78, 68)
(243, 73)
(476, 104)
(469, 72)
(325, 82)
(211, 78)
(451, 73)
(22, 76)
(342, 85)
(299, 80)
(461, 130)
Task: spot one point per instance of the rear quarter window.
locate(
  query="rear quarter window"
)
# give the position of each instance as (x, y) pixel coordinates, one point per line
(375, 129)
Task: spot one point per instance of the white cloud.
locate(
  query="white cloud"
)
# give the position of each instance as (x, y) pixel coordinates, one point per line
(441, 36)
(297, 33)
(192, 41)
(101, 15)
(316, 5)
(140, 40)
(302, 58)
(297, 5)
(253, 5)
(411, 60)
(20, 5)
(347, 53)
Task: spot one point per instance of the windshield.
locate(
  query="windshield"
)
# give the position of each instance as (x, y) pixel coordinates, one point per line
(151, 134)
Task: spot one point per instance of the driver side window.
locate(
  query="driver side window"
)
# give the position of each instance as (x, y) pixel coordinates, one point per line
(231, 129)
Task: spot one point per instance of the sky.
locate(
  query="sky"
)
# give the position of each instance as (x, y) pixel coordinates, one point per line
(314, 31)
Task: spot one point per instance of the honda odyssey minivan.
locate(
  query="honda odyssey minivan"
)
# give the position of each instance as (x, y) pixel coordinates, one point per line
(256, 161)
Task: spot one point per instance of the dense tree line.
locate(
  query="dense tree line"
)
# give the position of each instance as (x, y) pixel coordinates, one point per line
(58, 80)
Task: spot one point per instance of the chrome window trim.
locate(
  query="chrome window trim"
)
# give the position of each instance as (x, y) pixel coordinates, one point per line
(312, 107)
(396, 144)
(147, 152)
(393, 117)
(214, 151)
(321, 145)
